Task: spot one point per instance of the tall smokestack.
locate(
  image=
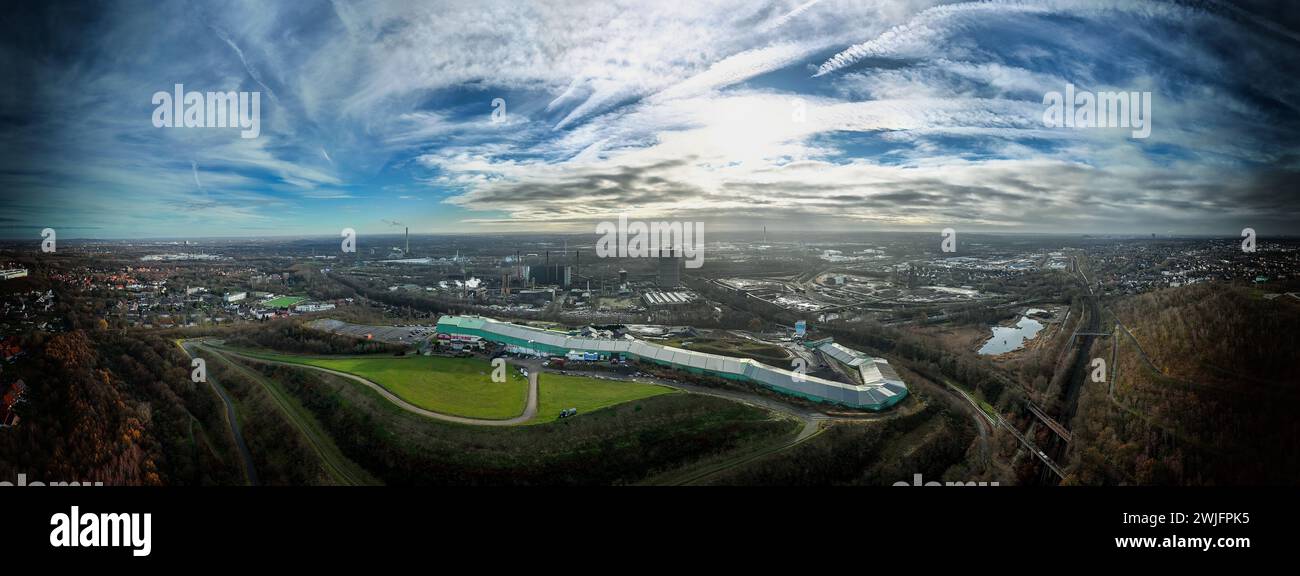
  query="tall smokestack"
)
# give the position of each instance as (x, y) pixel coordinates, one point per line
(408, 241)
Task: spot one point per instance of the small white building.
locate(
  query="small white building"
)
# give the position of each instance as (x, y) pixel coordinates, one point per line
(234, 297)
(313, 307)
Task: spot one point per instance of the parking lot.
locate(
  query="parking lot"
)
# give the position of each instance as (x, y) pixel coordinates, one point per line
(410, 334)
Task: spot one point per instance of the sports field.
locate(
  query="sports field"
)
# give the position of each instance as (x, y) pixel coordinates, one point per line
(283, 301)
(557, 392)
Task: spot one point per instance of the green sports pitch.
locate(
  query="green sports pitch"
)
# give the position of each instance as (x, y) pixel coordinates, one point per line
(283, 301)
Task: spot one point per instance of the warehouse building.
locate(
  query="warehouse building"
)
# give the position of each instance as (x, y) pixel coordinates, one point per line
(877, 395)
(868, 370)
(667, 299)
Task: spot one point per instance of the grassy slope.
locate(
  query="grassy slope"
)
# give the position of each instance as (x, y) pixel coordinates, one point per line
(462, 386)
(557, 392)
(617, 445)
(459, 386)
(343, 471)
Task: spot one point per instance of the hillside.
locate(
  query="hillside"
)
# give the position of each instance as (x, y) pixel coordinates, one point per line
(1211, 402)
(115, 409)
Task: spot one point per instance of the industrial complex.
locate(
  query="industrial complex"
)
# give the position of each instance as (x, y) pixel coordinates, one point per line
(876, 388)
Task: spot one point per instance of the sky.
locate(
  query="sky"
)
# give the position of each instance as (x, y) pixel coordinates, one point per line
(792, 115)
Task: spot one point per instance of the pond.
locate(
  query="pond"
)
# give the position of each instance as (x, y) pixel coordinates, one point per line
(1008, 338)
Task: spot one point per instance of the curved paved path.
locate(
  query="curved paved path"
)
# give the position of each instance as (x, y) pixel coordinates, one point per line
(246, 458)
(336, 464)
(530, 408)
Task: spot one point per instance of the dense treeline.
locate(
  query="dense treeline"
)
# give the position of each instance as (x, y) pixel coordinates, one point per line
(1214, 406)
(980, 314)
(401, 298)
(311, 280)
(617, 445)
(1034, 287)
(118, 409)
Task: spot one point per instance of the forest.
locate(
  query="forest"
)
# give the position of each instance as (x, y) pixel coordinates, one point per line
(1204, 394)
(118, 409)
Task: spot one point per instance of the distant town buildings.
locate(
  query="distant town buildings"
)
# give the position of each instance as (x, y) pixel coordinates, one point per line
(234, 297)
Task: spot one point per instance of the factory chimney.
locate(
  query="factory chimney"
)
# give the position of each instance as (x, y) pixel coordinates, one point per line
(408, 242)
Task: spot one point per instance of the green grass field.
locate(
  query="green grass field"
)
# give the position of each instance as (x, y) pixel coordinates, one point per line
(283, 301)
(459, 386)
(463, 387)
(557, 392)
